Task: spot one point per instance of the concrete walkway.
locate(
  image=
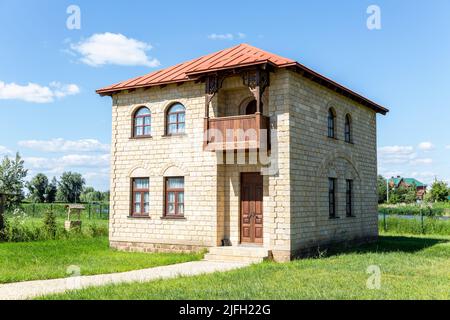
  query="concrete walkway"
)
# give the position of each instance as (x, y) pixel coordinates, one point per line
(31, 289)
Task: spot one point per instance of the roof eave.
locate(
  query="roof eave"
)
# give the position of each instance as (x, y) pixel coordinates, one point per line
(336, 87)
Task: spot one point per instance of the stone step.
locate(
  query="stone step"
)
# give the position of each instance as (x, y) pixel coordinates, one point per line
(255, 252)
(228, 258)
(237, 254)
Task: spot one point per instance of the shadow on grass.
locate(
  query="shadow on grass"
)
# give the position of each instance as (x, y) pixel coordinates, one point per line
(386, 244)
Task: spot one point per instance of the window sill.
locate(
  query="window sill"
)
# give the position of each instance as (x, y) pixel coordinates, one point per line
(350, 216)
(141, 137)
(350, 142)
(139, 217)
(333, 138)
(174, 135)
(334, 218)
(173, 218)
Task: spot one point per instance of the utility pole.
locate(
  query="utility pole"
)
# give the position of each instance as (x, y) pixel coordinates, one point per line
(387, 190)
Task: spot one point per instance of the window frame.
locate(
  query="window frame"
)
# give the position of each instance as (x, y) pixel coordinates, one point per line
(331, 125)
(142, 192)
(349, 198)
(143, 126)
(332, 198)
(348, 134)
(177, 123)
(176, 202)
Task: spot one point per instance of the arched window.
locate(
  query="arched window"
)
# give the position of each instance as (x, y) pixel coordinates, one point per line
(142, 123)
(331, 123)
(251, 107)
(175, 119)
(348, 129)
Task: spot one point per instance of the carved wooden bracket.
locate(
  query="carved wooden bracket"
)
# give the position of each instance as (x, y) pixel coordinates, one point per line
(213, 83)
(257, 81)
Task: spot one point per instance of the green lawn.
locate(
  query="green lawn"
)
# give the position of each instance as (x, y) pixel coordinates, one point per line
(50, 259)
(412, 267)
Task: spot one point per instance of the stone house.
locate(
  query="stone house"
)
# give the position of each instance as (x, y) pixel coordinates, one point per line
(243, 152)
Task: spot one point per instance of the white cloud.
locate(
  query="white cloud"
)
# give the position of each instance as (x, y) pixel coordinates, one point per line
(426, 146)
(396, 154)
(4, 151)
(424, 176)
(227, 36)
(67, 162)
(114, 48)
(62, 145)
(422, 161)
(447, 147)
(396, 150)
(36, 93)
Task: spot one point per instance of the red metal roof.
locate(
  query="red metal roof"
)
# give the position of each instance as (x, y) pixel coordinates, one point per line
(241, 55)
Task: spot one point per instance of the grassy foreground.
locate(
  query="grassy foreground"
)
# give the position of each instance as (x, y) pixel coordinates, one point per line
(50, 259)
(411, 268)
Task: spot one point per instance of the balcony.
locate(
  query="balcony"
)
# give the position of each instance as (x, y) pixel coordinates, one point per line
(245, 132)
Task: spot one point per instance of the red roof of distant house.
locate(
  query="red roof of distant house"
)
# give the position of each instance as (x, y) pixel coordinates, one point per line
(236, 57)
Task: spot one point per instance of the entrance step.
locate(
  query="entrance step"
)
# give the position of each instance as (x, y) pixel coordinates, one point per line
(237, 254)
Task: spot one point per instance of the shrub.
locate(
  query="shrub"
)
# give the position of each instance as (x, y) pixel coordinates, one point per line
(50, 227)
(406, 210)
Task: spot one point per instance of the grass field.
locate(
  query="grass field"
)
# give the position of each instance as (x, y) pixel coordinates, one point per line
(50, 259)
(27, 229)
(412, 267)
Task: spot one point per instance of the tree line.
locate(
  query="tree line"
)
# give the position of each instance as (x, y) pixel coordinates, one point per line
(439, 192)
(69, 188)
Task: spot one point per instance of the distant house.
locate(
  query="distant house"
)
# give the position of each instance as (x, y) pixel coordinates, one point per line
(397, 182)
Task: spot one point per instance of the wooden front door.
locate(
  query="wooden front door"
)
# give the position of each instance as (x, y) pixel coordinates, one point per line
(252, 208)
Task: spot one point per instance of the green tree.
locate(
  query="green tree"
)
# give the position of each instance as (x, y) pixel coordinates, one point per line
(91, 195)
(51, 191)
(38, 188)
(12, 180)
(382, 189)
(410, 196)
(70, 187)
(105, 196)
(394, 197)
(439, 191)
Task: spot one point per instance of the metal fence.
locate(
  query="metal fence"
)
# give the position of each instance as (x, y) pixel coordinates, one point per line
(92, 210)
(416, 224)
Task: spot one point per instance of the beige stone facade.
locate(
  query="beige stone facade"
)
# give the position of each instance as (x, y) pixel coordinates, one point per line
(295, 197)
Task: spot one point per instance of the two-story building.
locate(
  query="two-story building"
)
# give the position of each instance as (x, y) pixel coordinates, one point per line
(243, 152)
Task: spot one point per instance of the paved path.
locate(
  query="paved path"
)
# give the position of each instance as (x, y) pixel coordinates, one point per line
(31, 289)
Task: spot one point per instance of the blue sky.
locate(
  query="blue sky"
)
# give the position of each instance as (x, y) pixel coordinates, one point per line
(58, 123)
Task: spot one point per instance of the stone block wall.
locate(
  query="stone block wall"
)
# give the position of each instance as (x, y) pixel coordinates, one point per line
(315, 157)
(156, 157)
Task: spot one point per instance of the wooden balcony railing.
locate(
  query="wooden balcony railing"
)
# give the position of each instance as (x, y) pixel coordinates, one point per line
(247, 132)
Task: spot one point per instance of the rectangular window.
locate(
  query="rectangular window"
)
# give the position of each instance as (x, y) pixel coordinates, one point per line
(330, 127)
(349, 198)
(175, 197)
(141, 197)
(332, 197)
